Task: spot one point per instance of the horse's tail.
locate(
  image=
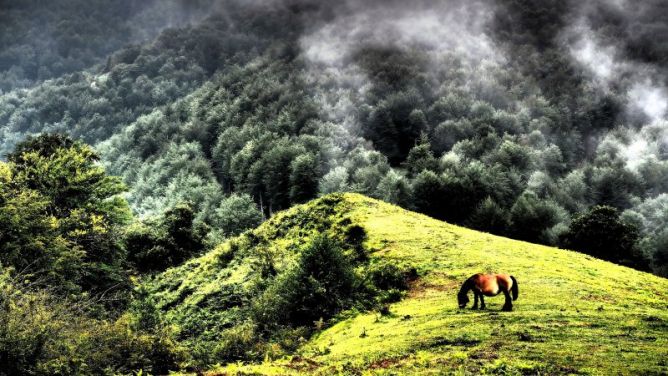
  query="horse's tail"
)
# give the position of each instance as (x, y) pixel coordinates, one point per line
(514, 289)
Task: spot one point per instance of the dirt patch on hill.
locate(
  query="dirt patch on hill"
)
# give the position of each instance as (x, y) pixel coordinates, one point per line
(434, 282)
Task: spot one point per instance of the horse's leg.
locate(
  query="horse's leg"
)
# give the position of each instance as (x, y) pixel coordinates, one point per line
(475, 299)
(508, 306)
(482, 301)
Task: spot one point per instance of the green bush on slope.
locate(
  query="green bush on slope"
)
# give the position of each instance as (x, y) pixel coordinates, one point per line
(320, 285)
(44, 335)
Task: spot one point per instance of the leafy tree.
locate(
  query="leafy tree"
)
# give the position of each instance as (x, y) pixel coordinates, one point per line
(420, 158)
(394, 188)
(614, 186)
(319, 286)
(28, 240)
(660, 254)
(75, 215)
(236, 214)
(512, 155)
(533, 217)
(167, 241)
(601, 233)
(336, 180)
(429, 194)
(489, 216)
(304, 174)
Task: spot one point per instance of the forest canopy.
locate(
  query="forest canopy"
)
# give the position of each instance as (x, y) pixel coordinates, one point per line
(513, 118)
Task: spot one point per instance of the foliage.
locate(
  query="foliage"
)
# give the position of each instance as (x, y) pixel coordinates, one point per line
(236, 214)
(41, 40)
(44, 335)
(533, 218)
(214, 108)
(271, 286)
(62, 216)
(320, 285)
(601, 232)
(155, 245)
(244, 109)
(421, 158)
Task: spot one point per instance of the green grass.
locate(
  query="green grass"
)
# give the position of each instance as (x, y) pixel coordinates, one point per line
(575, 314)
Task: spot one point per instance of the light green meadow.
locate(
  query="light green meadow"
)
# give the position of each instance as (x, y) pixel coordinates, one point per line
(575, 314)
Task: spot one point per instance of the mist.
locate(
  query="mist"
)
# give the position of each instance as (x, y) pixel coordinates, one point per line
(507, 103)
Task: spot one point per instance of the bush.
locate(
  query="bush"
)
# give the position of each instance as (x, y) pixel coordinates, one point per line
(386, 276)
(321, 285)
(389, 281)
(236, 214)
(355, 235)
(113, 348)
(44, 335)
(237, 343)
(532, 218)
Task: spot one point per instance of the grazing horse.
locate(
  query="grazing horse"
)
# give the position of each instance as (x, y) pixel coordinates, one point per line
(488, 285)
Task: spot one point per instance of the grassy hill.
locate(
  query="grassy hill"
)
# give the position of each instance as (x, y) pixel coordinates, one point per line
(574, 315)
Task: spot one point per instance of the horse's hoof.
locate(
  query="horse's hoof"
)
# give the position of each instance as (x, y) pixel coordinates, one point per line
(507, 309)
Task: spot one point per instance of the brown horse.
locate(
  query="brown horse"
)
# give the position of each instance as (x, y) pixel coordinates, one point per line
(488, 285)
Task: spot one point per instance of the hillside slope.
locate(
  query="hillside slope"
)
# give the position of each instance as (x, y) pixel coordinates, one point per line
(574, 315)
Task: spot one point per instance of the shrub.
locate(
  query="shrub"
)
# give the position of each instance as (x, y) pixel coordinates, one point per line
(237, 343)
(355, 236)
(389, 281)
(387, 276)
(44, 335)
(319, 286)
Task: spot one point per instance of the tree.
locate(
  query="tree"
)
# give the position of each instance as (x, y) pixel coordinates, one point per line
(236, 214)
(532, 217)
(660, 255)
(614, 186)
(600, 232)
(73, 210)
(491, 217)
(428, 194)
(336, 180)
(394, 188)
(319, 286)
(421, 158)
(304, 174)
(29, 243)
(159, 243)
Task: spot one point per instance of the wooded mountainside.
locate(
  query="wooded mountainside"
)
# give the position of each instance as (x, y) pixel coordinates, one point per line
(135, 135)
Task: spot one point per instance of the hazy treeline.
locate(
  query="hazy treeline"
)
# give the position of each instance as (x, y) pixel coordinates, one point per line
(40, 40)
(512, 117)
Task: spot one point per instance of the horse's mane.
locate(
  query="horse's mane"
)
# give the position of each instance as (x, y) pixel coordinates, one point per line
(468, 285)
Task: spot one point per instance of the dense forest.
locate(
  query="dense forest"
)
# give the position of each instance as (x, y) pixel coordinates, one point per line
(137, 134)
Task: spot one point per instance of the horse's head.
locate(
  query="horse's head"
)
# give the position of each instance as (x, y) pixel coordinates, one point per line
(463, 299)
